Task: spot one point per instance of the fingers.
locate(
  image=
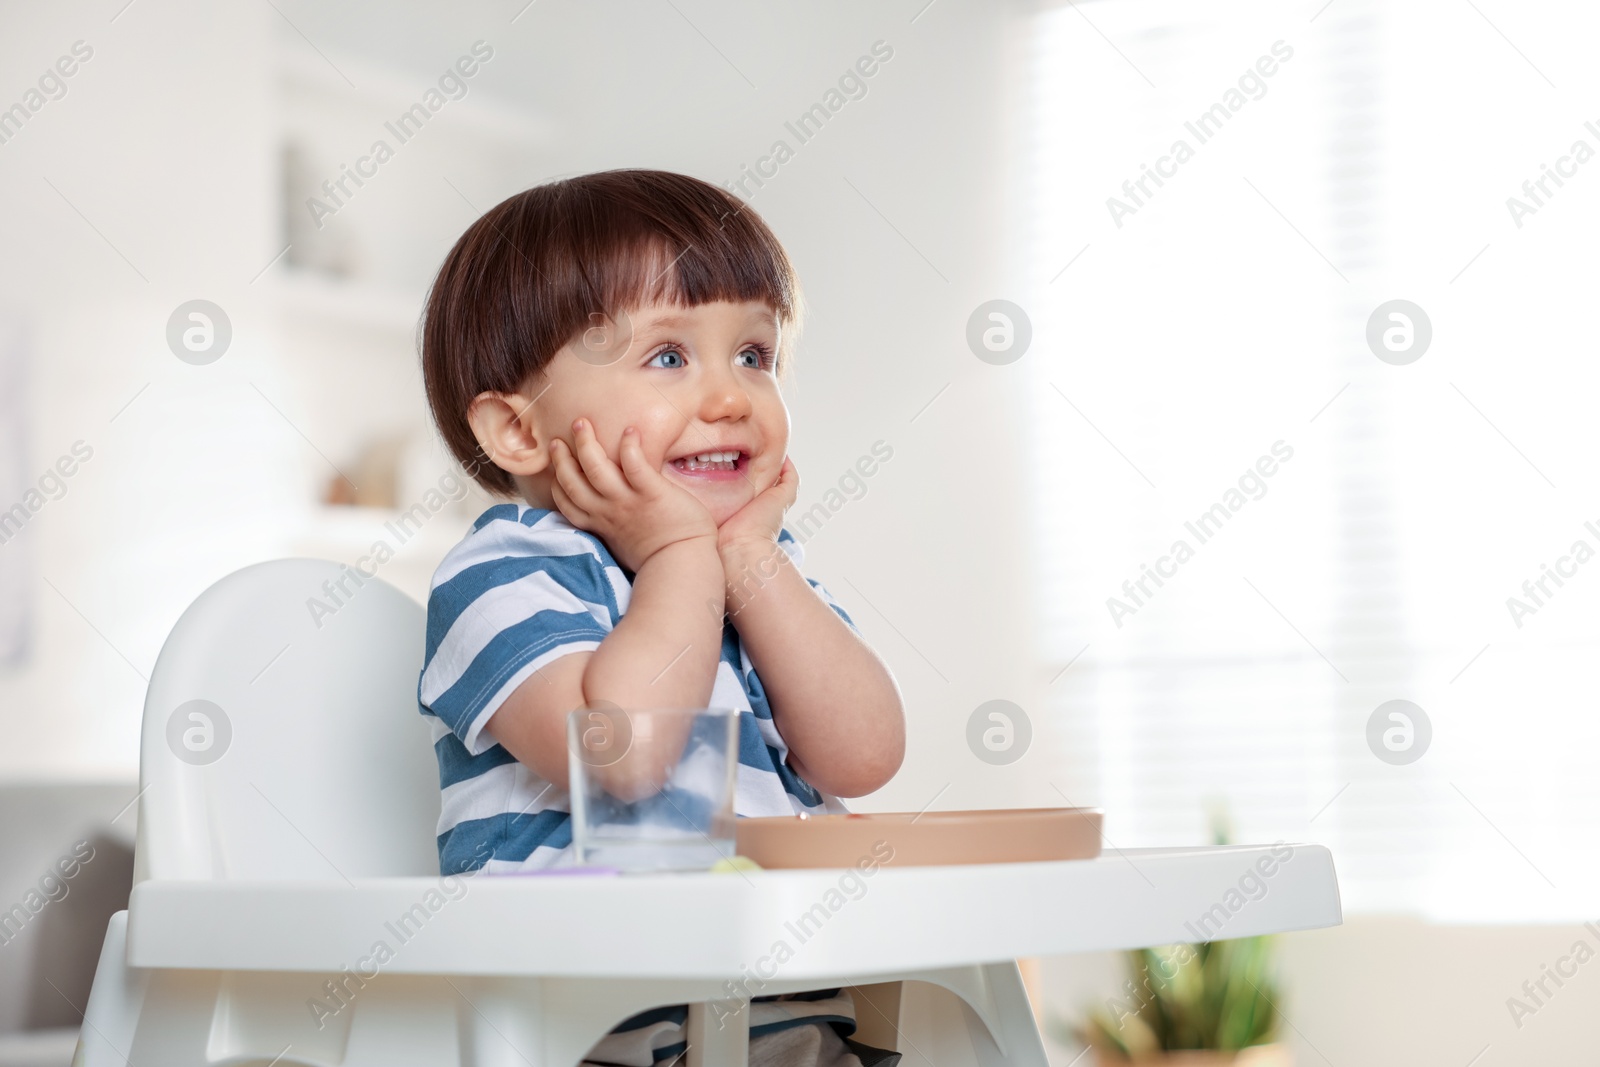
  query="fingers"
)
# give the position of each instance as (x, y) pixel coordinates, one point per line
(790, 481)
(634, 467)
(570, 511)
(570, 477)
(597, 466)
(787, 487)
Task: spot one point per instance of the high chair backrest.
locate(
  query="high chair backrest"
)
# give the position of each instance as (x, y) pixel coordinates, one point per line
(281, 735)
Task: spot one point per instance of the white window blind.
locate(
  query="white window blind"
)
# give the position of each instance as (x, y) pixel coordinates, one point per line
(1228, 313)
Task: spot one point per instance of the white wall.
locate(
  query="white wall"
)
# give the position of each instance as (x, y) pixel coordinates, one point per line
(157, 145)
(165, 143)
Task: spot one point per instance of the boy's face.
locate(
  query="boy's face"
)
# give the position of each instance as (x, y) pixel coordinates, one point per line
(692, 381)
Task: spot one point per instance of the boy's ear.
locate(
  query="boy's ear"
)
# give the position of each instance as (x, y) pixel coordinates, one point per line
(508, 431)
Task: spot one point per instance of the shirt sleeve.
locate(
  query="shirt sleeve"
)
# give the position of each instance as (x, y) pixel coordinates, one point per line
(495, 623)
(797, 554)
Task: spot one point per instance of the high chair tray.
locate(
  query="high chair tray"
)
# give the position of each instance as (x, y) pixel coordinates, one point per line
(851, 921)
(921, 839)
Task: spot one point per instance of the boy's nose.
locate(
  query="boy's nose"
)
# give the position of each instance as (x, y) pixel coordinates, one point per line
(723, 398)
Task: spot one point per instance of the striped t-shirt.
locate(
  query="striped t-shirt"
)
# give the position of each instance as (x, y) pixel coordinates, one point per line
(522, 589)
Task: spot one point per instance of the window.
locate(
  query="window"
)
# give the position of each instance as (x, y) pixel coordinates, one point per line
(1353, 527)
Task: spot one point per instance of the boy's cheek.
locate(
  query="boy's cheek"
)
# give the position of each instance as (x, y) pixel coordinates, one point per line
(658, 433)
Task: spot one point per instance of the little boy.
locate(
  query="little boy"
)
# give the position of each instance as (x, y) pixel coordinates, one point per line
(607, 350)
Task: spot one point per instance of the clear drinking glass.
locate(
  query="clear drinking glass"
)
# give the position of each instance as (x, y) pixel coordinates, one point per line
(652, 789)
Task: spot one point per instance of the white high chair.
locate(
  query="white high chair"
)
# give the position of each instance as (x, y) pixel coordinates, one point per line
(267, 878)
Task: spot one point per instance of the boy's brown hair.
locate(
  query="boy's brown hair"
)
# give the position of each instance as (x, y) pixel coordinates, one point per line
(536, 270)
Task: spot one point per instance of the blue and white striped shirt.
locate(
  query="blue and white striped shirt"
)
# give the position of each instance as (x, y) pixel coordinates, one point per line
(522, 589)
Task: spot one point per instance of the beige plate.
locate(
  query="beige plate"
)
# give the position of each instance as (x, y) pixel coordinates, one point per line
(929, 839)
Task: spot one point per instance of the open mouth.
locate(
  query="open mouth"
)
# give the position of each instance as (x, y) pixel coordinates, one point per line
(714, 462)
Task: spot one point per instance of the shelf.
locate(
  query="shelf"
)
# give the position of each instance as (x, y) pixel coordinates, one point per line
(390, 92)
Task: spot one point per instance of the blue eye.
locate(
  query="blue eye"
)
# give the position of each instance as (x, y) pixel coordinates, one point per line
(761, 357)
(664, 354)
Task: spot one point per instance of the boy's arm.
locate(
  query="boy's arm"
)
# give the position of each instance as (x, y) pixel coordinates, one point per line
(664, 651)
(833, 700)
(662, 654)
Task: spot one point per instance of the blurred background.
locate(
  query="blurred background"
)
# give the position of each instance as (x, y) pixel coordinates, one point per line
(1301, 287)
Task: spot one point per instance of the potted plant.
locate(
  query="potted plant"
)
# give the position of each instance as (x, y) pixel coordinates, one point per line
(1193, 1005)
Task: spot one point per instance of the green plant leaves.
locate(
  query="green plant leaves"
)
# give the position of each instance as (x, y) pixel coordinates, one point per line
(1219, 995)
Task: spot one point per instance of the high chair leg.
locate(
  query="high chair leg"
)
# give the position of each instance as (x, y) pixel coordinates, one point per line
(975, 1016)
(112, 1014)
(718, 1033)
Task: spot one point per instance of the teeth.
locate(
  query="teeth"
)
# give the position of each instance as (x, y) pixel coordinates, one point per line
(722, 460)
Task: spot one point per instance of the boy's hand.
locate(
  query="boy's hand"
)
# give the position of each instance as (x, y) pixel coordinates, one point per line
(632, 508)
(755, 526)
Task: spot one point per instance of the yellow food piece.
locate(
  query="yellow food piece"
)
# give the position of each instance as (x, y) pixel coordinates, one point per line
(735, 863)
